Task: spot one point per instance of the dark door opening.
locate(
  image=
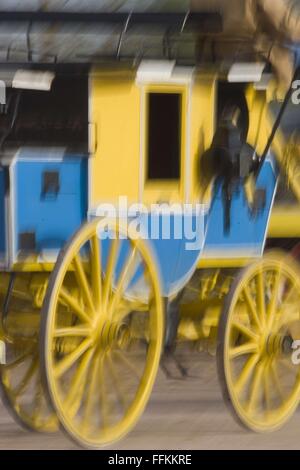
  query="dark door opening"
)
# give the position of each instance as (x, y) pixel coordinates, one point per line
(164, 136)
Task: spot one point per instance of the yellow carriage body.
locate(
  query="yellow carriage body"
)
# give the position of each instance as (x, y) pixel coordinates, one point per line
(119, 106)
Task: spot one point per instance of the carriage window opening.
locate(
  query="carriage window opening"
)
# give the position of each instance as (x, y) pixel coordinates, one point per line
(164, 136)
(55, 118)
(230, 96)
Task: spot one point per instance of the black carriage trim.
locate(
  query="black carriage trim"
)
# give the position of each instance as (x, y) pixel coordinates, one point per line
(209, 22)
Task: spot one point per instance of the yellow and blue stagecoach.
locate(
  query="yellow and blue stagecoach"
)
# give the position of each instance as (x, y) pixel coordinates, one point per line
(90, 304)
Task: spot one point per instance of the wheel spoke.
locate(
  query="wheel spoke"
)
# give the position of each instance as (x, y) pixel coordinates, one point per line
(245, 330)
(246, 373)
(71, 331)
(255, 388)
(96, 270)
(70, 359)
(83, 283)
(244, 349)
(19, 360)
(290, 294)
(91, 390)
(267, 385)
(27, 378)
(121, 284)
(288, 317)
(125, 308)
(38, 403)
(128, 364)
(72, 401)
(104, 409)
(274, 299)
(251, 306)
(116, 383)
(65, 297)
(276, 381)
(261, 303)
(111, 263)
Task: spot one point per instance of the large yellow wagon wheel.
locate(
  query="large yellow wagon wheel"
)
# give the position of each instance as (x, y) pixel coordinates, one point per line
(102, 333)
(258, 327)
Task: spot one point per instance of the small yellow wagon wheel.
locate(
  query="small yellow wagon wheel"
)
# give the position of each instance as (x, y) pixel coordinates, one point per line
(258, 327)
(102, 333)
(21, 388)
(20, 381)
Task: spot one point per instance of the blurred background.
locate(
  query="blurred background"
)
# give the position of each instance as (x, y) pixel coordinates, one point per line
(184, 412)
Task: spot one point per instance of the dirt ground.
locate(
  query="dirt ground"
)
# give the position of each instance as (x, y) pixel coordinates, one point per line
(183, 414)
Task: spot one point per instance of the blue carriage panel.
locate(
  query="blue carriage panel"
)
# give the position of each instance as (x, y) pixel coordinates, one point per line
(49, 200)
(175, 252)
(2, 216)
(178, 255)
(247, 233)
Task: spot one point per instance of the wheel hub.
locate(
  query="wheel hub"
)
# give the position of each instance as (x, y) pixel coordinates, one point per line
(278, 344)
(111, 335)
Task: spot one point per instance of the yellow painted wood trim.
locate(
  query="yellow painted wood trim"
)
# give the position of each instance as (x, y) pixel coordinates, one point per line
(223, 263)
(285, 222)
(25, 267)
